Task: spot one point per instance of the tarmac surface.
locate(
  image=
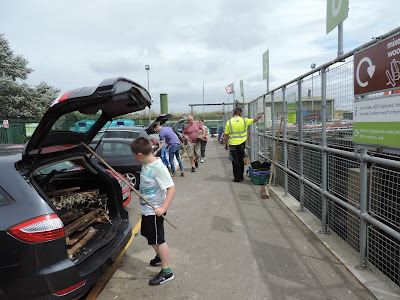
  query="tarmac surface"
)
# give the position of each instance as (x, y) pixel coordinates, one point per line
(231, 244)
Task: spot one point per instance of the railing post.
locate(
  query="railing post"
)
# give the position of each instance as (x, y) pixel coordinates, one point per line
(265, 128)
(324, 166)
(301, 161)
(285, 151)
(252, 135)
(273, 133)
(363, 209)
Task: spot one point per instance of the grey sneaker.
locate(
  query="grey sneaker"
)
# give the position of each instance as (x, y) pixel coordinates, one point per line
(161, 278)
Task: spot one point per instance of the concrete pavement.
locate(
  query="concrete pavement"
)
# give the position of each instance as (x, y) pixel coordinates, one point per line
(232, 244)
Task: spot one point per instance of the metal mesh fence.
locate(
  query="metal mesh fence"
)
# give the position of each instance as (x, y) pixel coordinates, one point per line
(352, 188)
(344, 224)
(385, 195)
(384, 255)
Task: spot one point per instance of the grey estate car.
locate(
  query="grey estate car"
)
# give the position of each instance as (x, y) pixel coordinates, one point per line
(35, 262)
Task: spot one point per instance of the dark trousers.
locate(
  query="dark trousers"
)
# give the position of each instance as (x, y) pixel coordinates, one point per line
(237, 152)
(203, 148)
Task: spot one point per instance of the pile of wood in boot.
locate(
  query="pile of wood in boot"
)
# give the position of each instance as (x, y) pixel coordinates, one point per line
(79, 211)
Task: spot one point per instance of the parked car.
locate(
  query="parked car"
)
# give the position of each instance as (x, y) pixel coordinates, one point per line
(117, 153)
(132, 132)
(69, 166)
(38, 257)
(113, 146)
(178, 129)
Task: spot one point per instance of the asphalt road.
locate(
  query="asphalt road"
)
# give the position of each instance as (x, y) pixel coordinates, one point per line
(231, 244)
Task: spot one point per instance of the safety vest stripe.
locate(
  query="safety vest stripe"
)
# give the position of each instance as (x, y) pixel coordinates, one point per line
(237, 137)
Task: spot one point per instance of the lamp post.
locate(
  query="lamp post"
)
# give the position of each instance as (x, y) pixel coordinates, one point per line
(312, 88)
(203, 99)
(147, 67)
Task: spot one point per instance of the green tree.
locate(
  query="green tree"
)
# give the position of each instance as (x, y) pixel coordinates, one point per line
(18, 100)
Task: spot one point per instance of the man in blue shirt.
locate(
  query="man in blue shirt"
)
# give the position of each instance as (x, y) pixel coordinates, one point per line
(167, 135)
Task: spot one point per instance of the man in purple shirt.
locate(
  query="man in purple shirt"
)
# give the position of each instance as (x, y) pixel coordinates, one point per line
(167, 135)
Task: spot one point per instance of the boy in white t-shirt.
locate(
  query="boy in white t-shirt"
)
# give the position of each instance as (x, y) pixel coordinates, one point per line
(157, 187)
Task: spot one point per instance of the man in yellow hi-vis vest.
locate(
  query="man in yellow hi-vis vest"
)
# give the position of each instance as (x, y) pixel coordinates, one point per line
(236, 134)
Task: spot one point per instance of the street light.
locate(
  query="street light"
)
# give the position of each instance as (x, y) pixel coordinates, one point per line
(312, 88)
(147, 67)
(203, 99)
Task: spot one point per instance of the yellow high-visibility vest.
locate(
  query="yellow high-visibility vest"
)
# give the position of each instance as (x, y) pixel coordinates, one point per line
(236, 127)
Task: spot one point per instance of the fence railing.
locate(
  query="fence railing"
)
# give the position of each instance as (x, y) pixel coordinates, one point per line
(354, 189)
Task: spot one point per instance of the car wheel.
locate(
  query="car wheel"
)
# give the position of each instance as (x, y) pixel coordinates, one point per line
(133, 179)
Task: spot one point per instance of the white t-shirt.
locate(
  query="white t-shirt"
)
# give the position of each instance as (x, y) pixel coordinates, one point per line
(154, 181)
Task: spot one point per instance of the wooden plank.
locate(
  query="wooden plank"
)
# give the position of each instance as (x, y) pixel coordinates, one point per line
(82, 242)
(69, 229)
(75, 237)
(70, 216)
(62, 192)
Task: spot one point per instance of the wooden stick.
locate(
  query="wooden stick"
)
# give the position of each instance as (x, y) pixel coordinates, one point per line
(264, 191)
(126, 181)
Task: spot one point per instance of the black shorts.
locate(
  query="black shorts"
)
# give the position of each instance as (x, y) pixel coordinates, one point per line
(153, 229)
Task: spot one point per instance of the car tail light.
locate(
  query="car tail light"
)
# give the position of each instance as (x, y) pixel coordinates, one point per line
(39, 229)
(70, 289)
(154, 142)
(122, 184)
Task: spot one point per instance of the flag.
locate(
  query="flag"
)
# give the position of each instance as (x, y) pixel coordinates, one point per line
(230, 89)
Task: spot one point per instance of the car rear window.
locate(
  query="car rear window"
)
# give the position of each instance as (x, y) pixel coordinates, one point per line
(122, 134)
(116, 149)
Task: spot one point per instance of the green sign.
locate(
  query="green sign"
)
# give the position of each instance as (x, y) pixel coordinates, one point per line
(377, 121)
(241, 88)
(291, 108)
(30, 128)
(336, 13)
(265, 59)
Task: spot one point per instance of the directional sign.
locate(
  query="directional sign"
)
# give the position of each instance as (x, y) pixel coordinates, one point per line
(378, 67)
(336, 13)
(265, 59)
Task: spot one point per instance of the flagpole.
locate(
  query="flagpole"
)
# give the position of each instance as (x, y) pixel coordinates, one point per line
(234, 98)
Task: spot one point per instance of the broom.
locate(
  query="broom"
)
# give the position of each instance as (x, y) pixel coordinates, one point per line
(265, 190)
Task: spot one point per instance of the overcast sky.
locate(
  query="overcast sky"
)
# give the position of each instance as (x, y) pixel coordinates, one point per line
(71, 44)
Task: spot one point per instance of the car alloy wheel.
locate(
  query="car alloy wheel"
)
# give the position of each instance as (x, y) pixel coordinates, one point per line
(132, 179)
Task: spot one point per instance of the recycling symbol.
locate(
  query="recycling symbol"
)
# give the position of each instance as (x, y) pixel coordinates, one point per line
(370, 70)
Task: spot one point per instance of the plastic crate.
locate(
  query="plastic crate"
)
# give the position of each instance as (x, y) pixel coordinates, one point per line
(259, 177)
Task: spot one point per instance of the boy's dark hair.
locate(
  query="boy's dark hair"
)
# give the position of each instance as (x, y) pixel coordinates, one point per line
(237, 111)
(156, 124)
(141, 145)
